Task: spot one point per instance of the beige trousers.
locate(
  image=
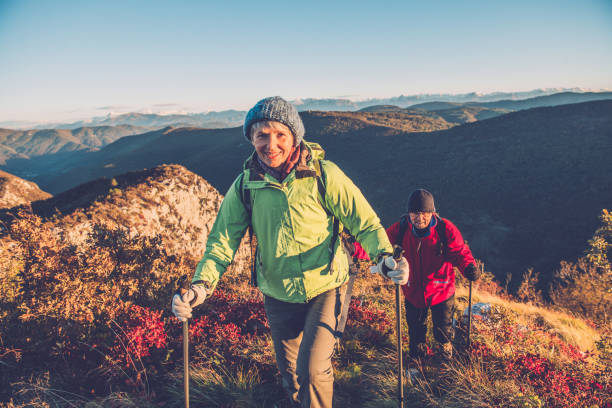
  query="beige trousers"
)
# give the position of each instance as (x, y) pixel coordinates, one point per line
(304, 336)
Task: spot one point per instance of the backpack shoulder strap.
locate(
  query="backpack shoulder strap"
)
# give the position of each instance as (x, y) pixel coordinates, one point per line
(322, 187)
(320, 182)
(245, 197)
(441, 229)
(403, 227)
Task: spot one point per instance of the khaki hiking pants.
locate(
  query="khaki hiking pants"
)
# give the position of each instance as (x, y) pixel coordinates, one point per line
(304, 336)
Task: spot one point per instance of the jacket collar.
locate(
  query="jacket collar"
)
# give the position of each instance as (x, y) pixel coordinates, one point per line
(303, 169)
(425, 232)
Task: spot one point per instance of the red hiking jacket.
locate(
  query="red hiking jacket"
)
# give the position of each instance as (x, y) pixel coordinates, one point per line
(432, 277)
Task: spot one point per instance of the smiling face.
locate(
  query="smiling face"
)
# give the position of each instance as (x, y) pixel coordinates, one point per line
(420, 219)
(273, 142)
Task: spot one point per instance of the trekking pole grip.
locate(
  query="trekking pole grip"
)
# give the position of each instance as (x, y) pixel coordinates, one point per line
(183, 287)
(397, 254)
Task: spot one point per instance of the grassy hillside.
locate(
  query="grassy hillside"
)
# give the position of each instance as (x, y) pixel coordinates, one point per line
(108, 353)
(85, 318)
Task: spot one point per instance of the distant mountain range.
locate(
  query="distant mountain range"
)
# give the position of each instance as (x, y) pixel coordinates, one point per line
(211, 120)
(525, 187)
(231, 118)
(410, 100)
(561, 98)
(17, 145)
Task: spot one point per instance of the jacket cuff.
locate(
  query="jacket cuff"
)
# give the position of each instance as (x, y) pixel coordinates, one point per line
(210, 272)
(380, 256)
(204, 285)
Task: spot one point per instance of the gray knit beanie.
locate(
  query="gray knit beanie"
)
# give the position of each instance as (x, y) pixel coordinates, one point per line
(277, 109)
(421, 200)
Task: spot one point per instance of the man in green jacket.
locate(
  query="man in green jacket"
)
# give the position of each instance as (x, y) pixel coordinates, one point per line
(293, 199)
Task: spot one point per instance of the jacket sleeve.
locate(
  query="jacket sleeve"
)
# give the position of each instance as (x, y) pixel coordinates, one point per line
(349, 205)
(392, 232)
(224, 237)
(459, 253)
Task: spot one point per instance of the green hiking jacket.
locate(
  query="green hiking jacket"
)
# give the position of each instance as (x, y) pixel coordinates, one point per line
(293, 229)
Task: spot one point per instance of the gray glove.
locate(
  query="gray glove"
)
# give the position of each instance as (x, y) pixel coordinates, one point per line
(471, 272)
(183, 305)
(398, 271)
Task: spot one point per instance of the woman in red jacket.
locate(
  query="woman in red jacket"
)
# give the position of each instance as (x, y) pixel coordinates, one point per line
(433, 246)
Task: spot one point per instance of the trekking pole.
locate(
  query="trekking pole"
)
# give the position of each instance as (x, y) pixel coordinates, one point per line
(183, 288)
(469, 328)
(398, 252)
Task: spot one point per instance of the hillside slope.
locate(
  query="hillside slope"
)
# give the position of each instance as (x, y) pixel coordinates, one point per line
(207, 150)
(24, 144)
(513, 184)
(17, 191)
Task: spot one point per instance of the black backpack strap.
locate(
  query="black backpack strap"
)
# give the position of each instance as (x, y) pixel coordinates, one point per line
(403, 227)
(441, 230)
(321, 185)
(245, 197)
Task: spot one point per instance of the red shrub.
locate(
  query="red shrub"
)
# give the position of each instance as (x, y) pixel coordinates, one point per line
(140, 332)
(558, 388)
(371, 324)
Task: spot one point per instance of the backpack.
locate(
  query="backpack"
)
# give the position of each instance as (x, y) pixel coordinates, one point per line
(440, 229)
(245, 196)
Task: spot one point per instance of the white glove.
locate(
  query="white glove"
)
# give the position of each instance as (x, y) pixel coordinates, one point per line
(181, 305)
(398, 273)
(389, 262)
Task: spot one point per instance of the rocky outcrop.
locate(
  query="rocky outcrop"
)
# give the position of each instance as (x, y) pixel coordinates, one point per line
(16, 191)
(168, 200)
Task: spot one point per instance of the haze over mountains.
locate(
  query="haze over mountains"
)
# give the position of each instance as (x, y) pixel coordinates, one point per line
(230, 118)
(16, 145)
(514, 183)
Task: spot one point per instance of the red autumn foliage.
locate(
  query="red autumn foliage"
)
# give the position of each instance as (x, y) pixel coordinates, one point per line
(141, 331)
(570, 382)
(559, 388)
(369, 323)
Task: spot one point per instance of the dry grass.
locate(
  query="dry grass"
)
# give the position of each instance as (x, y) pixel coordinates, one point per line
(240, 388)
(461, 384)
(570, 329)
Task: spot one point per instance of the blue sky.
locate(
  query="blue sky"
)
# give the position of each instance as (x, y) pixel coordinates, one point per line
(72, 59)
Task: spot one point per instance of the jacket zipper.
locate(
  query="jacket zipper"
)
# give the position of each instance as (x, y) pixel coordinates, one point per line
(420, 254)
